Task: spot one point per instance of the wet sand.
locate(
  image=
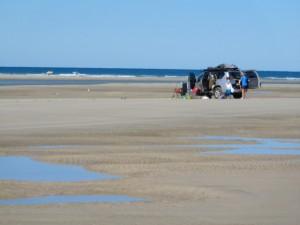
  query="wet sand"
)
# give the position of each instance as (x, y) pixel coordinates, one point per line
(139, 132)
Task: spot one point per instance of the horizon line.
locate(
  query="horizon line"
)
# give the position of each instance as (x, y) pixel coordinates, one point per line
(136, 68)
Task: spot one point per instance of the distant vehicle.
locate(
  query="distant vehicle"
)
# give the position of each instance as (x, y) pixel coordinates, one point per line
(212, 81)
(254, 79)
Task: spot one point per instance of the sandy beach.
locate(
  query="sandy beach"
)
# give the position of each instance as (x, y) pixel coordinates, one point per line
(139, 132)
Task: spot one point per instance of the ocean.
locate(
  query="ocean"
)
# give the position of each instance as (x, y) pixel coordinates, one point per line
(115, 72)
(93, 72)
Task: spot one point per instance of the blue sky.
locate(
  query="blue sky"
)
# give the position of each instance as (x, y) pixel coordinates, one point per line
(260, 34)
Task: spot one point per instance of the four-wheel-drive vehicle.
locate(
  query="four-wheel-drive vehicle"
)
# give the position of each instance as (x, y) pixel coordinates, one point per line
(254, 79)
(212, 81)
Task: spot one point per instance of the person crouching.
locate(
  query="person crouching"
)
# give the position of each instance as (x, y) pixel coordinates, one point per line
(229, 89)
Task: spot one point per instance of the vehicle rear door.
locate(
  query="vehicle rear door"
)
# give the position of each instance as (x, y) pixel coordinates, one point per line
(254, 81)
(204, 81)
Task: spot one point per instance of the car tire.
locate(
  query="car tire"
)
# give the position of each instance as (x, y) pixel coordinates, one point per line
(217, 92)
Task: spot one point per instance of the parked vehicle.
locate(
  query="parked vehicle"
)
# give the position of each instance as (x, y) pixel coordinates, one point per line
(212, 81)
(254, 79)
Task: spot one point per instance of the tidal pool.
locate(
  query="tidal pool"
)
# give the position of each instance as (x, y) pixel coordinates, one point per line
(260, 146)
(69, 199)
(21, 168)
(54, 146)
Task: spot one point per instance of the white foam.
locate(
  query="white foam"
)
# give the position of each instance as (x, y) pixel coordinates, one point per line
(69, 74)
(172, 76)
(282, 78)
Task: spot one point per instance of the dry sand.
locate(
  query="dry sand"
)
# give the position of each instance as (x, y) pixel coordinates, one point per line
(134, 130)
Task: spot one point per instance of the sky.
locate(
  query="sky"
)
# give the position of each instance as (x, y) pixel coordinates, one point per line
(174, 34)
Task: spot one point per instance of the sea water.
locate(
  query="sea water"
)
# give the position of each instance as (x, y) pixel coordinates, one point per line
(112, 73)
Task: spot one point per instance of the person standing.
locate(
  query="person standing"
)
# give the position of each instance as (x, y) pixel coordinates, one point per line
(244, 82)
(211, 81)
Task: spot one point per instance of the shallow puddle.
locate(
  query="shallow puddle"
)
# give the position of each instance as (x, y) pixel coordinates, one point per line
(21, 168)
(54, 146)
(68, 199)
(260, 146)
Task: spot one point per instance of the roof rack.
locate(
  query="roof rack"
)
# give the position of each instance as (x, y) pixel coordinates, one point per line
(223, 67)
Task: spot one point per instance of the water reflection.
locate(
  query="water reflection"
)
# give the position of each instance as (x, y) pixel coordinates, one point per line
(20, 168)
(260, 146)
(68, 199)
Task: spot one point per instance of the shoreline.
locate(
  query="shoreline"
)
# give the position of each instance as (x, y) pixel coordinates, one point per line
(25, 80)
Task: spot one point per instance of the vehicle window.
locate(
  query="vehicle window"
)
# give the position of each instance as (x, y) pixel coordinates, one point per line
(235, 75)
(214, 74)
(251, 74)
(220, 75)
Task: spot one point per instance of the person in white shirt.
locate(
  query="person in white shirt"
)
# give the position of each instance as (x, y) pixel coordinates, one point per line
(228, 85)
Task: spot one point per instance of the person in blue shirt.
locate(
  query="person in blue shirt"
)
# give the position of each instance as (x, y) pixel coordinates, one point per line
(244, 82)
